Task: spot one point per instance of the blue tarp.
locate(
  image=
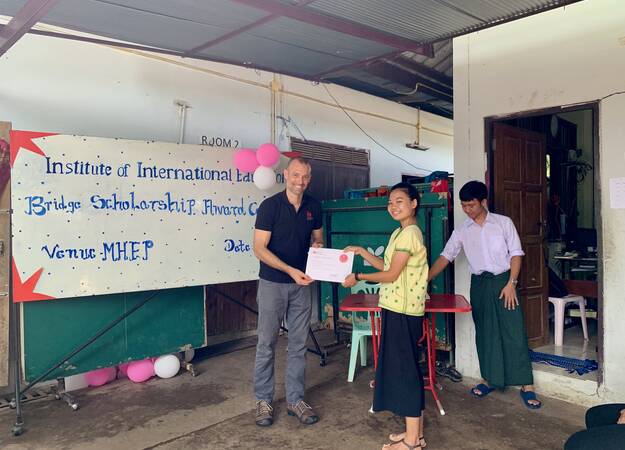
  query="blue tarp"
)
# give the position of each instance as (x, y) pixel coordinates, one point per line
(581, 366)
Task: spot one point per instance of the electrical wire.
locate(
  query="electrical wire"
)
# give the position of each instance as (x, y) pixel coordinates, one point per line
(412, 92)
(416, 88)
(371, 137)
(286, 122)
(613, 93)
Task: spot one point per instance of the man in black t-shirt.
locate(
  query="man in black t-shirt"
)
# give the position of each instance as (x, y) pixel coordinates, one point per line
(285, 223)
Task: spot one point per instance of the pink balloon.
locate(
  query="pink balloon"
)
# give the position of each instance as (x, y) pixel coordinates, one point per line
(267, 155)
(140, 371)
(245, 160)
(122, 371)
(100, 377)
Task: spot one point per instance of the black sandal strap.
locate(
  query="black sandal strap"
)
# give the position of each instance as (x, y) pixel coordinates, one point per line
(411, 447)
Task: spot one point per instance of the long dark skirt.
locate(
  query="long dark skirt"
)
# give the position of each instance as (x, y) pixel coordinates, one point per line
(499, 334)
(398, 379)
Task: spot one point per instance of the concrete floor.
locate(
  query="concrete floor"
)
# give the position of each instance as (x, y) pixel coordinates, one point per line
(215, 411)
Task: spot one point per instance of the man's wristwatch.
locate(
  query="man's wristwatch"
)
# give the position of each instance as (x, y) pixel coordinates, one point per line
(514, 281)
(357, 276)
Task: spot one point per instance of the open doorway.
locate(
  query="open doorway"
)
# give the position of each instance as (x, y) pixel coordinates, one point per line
(543, 173)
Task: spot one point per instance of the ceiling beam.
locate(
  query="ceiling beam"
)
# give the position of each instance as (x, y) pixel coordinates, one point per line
(163, 51)
(444, 57)
(232, 34)
(422, 69)
(24, 20)
(225, 37)
(331, 72)
(410, 81)
(414, 101)
(415, 98)
(311, 17)
(363, 86)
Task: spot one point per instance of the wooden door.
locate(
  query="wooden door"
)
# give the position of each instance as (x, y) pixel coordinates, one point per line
(226, 315)
(519, 191)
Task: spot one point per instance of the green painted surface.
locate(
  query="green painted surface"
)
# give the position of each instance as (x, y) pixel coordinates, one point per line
(174, 318)
(366, 222)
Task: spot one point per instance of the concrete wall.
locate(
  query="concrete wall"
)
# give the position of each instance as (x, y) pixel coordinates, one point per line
(566, 56)
(70, 87)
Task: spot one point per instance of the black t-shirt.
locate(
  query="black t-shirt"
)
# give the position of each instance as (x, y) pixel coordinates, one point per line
(290, 232)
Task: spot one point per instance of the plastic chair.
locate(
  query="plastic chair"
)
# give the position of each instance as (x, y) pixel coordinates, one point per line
(361, 328)
(578, 290)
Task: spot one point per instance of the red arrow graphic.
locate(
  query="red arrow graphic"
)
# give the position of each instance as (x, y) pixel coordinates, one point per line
(24, 140)
(25, 291)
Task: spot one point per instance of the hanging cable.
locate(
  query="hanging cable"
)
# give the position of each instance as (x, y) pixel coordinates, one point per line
(613, 93)
(371, 137)
(412, 92)
(286, 122)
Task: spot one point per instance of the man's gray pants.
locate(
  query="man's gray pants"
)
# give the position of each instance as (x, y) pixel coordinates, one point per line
(277, 301)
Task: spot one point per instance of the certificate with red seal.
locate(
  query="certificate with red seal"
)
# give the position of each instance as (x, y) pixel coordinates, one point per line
(328, 264)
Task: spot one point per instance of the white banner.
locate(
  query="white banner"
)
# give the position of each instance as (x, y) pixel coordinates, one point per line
(100, 216)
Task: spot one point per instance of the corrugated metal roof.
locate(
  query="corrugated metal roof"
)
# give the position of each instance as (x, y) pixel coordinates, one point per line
(303, 35)
(406, 41)
(428, 20)
(420, 20)
(442, 60)
(281, 56)
(492, 10)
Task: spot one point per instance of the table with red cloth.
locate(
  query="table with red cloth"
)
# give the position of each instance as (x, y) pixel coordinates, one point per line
(437, 303)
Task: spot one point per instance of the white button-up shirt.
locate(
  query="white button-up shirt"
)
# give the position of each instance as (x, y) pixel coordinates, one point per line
(489, 248)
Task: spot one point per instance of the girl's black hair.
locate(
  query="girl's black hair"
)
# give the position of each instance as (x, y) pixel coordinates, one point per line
(411, 191)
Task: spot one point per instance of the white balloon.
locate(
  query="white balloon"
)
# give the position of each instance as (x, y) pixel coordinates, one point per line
(264, 178)
(166, 366)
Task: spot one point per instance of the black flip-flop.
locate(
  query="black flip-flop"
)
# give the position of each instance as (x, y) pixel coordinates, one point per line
(530, 395)
(485, 390)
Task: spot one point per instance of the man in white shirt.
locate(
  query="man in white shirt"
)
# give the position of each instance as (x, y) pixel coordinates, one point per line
(493, 248)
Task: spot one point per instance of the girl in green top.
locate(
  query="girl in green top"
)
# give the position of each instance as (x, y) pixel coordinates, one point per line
(403, 277)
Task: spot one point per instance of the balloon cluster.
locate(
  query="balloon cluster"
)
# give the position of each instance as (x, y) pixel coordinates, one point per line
(260, 162)
(165, 366)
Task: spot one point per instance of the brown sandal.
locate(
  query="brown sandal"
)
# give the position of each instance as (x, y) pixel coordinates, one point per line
(408, 446)
(394, 438)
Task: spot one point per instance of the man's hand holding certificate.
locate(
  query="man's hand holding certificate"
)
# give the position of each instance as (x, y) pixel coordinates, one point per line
(328, 264)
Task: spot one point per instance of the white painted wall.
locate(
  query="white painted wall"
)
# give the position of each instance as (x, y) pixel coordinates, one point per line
(565, 56)
(76, 88)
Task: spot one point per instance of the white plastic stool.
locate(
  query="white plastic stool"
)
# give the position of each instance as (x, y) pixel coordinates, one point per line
(559, 304)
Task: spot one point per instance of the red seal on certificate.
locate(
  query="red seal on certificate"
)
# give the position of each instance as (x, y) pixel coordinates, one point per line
(329, 264)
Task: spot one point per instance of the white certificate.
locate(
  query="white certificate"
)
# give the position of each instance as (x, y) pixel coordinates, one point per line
(328, 264)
